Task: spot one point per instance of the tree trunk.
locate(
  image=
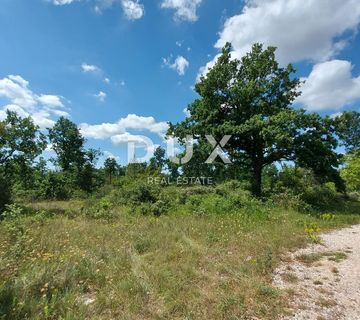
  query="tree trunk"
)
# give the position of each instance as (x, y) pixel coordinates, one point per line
(257, 179)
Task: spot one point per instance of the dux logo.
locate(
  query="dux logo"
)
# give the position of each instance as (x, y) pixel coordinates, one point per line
(218, 151)
(147, 144)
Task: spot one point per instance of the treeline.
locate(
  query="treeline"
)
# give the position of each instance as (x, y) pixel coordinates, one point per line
(250, 99)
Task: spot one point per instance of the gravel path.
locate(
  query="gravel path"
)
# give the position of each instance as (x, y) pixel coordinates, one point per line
(323, 281)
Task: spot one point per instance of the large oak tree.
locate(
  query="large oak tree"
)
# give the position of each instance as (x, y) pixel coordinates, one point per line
(251, 99)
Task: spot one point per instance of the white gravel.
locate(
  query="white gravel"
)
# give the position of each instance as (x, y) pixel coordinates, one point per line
(325, 289)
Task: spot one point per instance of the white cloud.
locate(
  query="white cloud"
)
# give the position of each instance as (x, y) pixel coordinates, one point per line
(133, 9)
(27, 103)
(130, 122)
(301, 30)
(15, 108)
(336, 115)
(63, 2)
(330, 86)
(101, 96)
(205, 69)
(185, 10)
(186, 112)
(90, 68)
(108, 154)
(107, 80)
(100, 131)
(42, 119)
(15, 88)
(49, 147)
(125, 138)
(50, 100)
(180, 64)
(61, 113)
(119, 133)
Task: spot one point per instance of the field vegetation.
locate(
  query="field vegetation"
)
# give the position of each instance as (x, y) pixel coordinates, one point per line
(83, 240)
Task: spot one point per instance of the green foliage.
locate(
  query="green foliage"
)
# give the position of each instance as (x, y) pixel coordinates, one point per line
(294, 179)
(347, 127)
(60, 254)
(111, 168)
(13, 212)
(250, 99)
(157, 162)
(88, 178)
(320, 197)
(315, 149)
(289, 200)
(5, 195)
(312, 231)
(351, 172)
(299, 188)
(20, 144)
(56, 186)
(20, 139)
(99, 209)
(68, 144)
(139, 192)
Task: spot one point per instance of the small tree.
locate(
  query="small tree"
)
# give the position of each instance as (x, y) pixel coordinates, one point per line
(20, 139)
(347, 127)
(87, 177)
(5, 196)
(20, 143)
(68, 144)
(110, 167)
(157, 162)
(351, 172)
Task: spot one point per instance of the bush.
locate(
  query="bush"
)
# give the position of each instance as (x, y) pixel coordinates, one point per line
(226, 198)
(135, 192)
(99, 209)
(299, 189)
(319, 197)
(55, 186)
(289, 200)
(233, 186)
(5, 194)
(157, 209)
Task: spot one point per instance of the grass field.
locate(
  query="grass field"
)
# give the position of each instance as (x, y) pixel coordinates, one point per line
(60, 264)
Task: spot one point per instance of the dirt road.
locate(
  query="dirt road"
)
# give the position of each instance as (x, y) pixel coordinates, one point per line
(323, 281)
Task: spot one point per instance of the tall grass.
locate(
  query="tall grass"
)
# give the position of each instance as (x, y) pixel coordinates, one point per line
(204, 259)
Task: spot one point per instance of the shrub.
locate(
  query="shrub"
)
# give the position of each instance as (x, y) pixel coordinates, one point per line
(55, 186)
(99, 209)
(5, 195)
(142, 192)
(135, 192)
(233, 186)
(12, 212)
(289, 200)
(157, 209)
(229, 197)
(319, 197)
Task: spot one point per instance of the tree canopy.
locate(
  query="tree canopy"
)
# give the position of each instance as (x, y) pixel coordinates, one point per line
(251, 100)
(347, 127)
(68, 144)
(19, 139)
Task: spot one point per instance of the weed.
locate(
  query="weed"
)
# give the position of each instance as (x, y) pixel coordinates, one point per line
(290, 277)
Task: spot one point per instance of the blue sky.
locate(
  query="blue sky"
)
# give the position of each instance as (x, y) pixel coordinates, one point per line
(120, 68)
